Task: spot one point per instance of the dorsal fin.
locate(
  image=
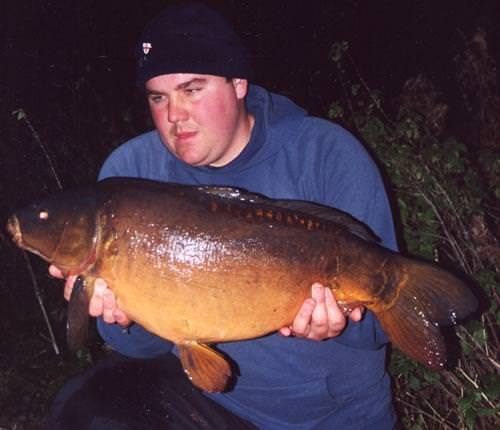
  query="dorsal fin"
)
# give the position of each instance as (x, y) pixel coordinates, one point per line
(323, 214)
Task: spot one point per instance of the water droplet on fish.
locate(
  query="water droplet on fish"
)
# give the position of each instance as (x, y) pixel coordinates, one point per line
(453, 317)
(188, 374)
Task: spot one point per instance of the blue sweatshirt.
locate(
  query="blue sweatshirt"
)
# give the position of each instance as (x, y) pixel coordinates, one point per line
(286, 383)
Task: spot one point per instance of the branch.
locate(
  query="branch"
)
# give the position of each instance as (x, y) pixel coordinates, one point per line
(40, 302)
(21, 115)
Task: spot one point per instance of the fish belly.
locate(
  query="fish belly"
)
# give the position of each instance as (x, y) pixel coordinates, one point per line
(249, 301)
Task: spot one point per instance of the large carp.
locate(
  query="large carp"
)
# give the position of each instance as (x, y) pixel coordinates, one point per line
(200, 264)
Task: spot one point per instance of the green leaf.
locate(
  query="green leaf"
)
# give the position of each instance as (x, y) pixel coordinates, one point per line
(473, 325)
(488, 412)
(431, 377)
(19, 114)
(470, 418)
(336, 111)
(491, 384)
(414, 383)
(465, 404)
(486, 278)
(480, 336)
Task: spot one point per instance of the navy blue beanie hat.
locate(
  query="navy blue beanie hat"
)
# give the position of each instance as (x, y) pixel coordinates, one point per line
(190, 38)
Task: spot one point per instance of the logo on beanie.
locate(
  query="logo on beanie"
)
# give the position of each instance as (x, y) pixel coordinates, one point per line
(146, 47)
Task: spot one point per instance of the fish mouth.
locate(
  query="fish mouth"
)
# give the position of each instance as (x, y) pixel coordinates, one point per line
(14, 229)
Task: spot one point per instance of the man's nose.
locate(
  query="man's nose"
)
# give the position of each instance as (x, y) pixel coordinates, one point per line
(176, 111)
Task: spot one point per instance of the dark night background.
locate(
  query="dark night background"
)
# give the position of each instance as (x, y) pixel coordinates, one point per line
(69, 66)
(50, 42)
(76, 58)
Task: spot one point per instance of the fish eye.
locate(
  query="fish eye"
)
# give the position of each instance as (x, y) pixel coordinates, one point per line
(43, 215)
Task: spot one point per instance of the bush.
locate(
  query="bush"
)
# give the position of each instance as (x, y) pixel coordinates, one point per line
(445, 195)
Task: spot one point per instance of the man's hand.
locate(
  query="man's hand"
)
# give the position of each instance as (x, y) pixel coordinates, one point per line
(102, 302)
(320, 317)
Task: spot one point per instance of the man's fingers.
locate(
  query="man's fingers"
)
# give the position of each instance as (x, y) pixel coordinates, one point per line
(109, 306)
(68, 286)
(357, 314)
(319, 318)
(55, 272)
(301, 324)
(332, 307)
(286, 331)
(96, 305)
(327, 319)
(336, 318)
(121, 318)
(102, 302)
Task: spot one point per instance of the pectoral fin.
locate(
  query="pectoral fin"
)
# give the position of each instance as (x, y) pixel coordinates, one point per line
(78, 314)
(205, 367)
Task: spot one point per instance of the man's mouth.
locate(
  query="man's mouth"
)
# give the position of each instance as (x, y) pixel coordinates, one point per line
(185, 135)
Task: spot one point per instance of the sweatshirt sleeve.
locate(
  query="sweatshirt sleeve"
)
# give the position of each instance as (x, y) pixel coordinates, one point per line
(347, 178)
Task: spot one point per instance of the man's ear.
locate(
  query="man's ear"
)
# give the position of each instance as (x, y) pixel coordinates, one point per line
(240, 87)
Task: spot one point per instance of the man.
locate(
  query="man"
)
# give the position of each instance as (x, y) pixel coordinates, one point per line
(213, 127)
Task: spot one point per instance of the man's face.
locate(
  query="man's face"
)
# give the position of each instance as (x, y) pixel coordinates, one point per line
(201, 118)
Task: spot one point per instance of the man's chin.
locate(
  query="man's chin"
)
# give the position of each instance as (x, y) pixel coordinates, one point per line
(193, 160)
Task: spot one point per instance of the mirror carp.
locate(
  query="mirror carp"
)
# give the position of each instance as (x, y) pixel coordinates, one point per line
(198, 265)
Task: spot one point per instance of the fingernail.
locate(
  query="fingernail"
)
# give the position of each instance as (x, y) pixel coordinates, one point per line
(98, 290)
(318, 292)
(100, 282)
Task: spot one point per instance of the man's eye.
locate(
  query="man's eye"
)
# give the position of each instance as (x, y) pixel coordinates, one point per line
(156, 98)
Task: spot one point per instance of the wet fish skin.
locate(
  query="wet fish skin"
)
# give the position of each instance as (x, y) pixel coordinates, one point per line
(201, 265)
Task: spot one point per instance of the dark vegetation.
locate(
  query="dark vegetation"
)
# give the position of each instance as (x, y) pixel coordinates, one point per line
(446, 191)
(68, 100)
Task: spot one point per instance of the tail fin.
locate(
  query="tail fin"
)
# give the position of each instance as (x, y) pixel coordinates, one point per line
(428, 297)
